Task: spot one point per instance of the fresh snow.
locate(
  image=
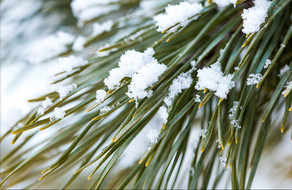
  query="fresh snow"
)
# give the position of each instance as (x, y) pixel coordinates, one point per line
(130, 62)
(100, 96)
(177, 14)
(65, 90)
(50, 46)
(66, 66)
(152, 135)
(267, 63)
(145, 78)
(203, 133)
(183, 81)
(197, 98)
(254, 79)
(224, 3)
(255, 16)
(44, 105)
(57, 114)
(284, 70)
(79, 43)
(231, 115)
(212, 78)
(163, 114)
(103, 27)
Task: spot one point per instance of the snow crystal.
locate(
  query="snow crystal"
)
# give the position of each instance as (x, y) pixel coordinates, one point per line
(66, 66)
(213, 79)
(255, 16)
(49, 47)
(203, 133)
(177, 14)
(103, 27)
(152, 135)
(254, 79)
(163, 114)
(44, 105)
(288, 87)
(232, 113)
(79, 43)
(284, 70)
(57, 114)
(197, 98)
(65, 90)
(267, 63)
(129, 63)
(100, 96)
(183, 81)
(146, 77)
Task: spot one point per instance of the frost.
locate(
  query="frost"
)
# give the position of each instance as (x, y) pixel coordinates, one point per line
(213, 79)
(65, 90)
(231, 115)
(255, 16)
(57, 114)
(267, 63)
(177, 14)
(66, 66)
(86, 10)
(183, 81)
(284, 70)
(100, 96)
(163, 114)
(197, 98)
(254, 79)
(152, 135)
(103, 27)
(145, 78)
(79, 43)
(44, 105)
(50, 46)
(203, 133)
(130, 62)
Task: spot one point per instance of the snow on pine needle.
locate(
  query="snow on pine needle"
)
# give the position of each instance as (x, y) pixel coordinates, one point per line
(130, 62)
(224, 3)
(254, 16)
(212, 78)
(253, 79)
(177, 14)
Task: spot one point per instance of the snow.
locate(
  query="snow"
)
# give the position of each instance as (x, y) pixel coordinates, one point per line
(103, 27)
(85, 10)
(79, 43)
(223, 161)
(203, 133)
(231, 116)
(49, 47)
(254, 79)
(105, 109)
(163, 114)
(284, 70)
(177, 14)
(213, 79)
(130, 62)
(65, 90)
(255, 16)
(100, 96)
(224, 3)
(267, 63)
(197, 98)
(66, 66)
(44, 105)
(145, 78)
(57, 114)
(288, 87)
(182, 82)
(152, 135)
